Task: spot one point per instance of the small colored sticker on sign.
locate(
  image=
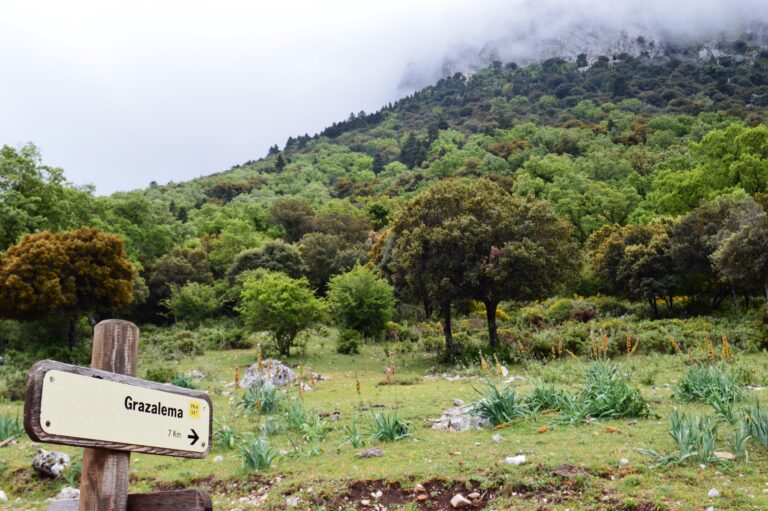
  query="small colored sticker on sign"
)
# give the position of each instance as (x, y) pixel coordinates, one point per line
(194, 410)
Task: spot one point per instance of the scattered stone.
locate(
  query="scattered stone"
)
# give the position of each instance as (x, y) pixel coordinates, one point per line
(474, 495)
(714, 492)
(365, 502)
(196, 374)
(455, 453)
(515, 460)
(2, 360)
(623, 462)
(306, 387)
(460, 418)
(711, 508)
(754, 387)
(458, 402)
(218, 459)
(292, 501)
(225, 393)
(724, 455)
(419, 488)
(371, 453)
(459, 501)
(514, 378)
(422, 497)
(68, 493)
(497, 438)
(666, 385)
(504, 372)
(50, 464)
(3, 496)
(272, 371)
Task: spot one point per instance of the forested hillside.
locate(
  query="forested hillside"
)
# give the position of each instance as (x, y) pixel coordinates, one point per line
(657, 167)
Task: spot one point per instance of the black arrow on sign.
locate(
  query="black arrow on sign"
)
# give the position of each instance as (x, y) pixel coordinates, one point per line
(193, 437)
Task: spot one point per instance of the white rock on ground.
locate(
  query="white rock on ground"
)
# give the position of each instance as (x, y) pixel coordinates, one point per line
(458, 402)
(49, 463)
(714, 492)
(459, 418)
(68, 493)
(623, 462)
(515, 460)
(218, 459)
(3, 496)
(497, 438)
(273, 371)
(459, 501)
(292, 501)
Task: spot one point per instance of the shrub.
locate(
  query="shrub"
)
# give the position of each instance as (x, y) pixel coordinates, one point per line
(182, 380)
(544, 397)
(705, 383)
(362, 301)
(387, 427)
(755, 418)
(15, 386)
(10, 427)
(194, 302)
(695, 438)
(499, 405)
(348, 342)
(257, 454)
(279, 304)
(160, 374)
(262, 398)
(604, 395)
(226, 437)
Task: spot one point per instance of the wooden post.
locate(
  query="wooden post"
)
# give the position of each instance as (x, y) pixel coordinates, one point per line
(104, 479)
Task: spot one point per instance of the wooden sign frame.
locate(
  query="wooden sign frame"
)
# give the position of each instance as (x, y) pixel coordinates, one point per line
(33, 398)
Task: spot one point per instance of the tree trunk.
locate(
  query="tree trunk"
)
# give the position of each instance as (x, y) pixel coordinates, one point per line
(445, 309)
(490, 316)
(427, 309)
(654, 307)
(72, 335)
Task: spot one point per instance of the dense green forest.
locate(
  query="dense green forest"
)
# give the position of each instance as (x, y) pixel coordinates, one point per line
(634, 186)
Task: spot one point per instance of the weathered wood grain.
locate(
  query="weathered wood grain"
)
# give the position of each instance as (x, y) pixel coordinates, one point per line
(180, 500)
(104, 478)
(34, 394)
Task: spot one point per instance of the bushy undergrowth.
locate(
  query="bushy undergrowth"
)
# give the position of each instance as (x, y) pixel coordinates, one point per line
(262, 398)
(694, 438)
(709, 383)
(10, 427)
(257, 454)
(226, 437)
(500, 404)
(388, 427)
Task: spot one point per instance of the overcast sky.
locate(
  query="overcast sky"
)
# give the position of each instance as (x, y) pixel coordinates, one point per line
(123, 93)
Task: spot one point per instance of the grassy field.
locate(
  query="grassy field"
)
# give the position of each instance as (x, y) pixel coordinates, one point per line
(568, 466)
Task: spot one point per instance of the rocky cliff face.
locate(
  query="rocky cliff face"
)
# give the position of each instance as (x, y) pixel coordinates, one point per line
(539, 43)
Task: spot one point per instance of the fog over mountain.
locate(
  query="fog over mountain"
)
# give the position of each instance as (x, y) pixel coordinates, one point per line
(121, 94)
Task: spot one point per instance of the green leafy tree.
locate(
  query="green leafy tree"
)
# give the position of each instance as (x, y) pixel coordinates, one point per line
(326, 255)
(531, 253)
(274, 302)
(361, 301)
(180, 266)
(273, 256)
(35, 197)
(193, 302)
(67, 274)
(294, 216)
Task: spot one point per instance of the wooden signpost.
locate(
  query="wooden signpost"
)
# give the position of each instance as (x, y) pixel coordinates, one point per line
(111, 414)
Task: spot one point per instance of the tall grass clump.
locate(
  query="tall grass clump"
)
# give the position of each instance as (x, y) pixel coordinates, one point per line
(695, 439)
(261, 398)
(499, 404)
(755, 419)
(605, 394)
(10, 427)
(708, 383)
(225, 436)
(294, 413)
(257, 454)
(388, 427)
(545, 397)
